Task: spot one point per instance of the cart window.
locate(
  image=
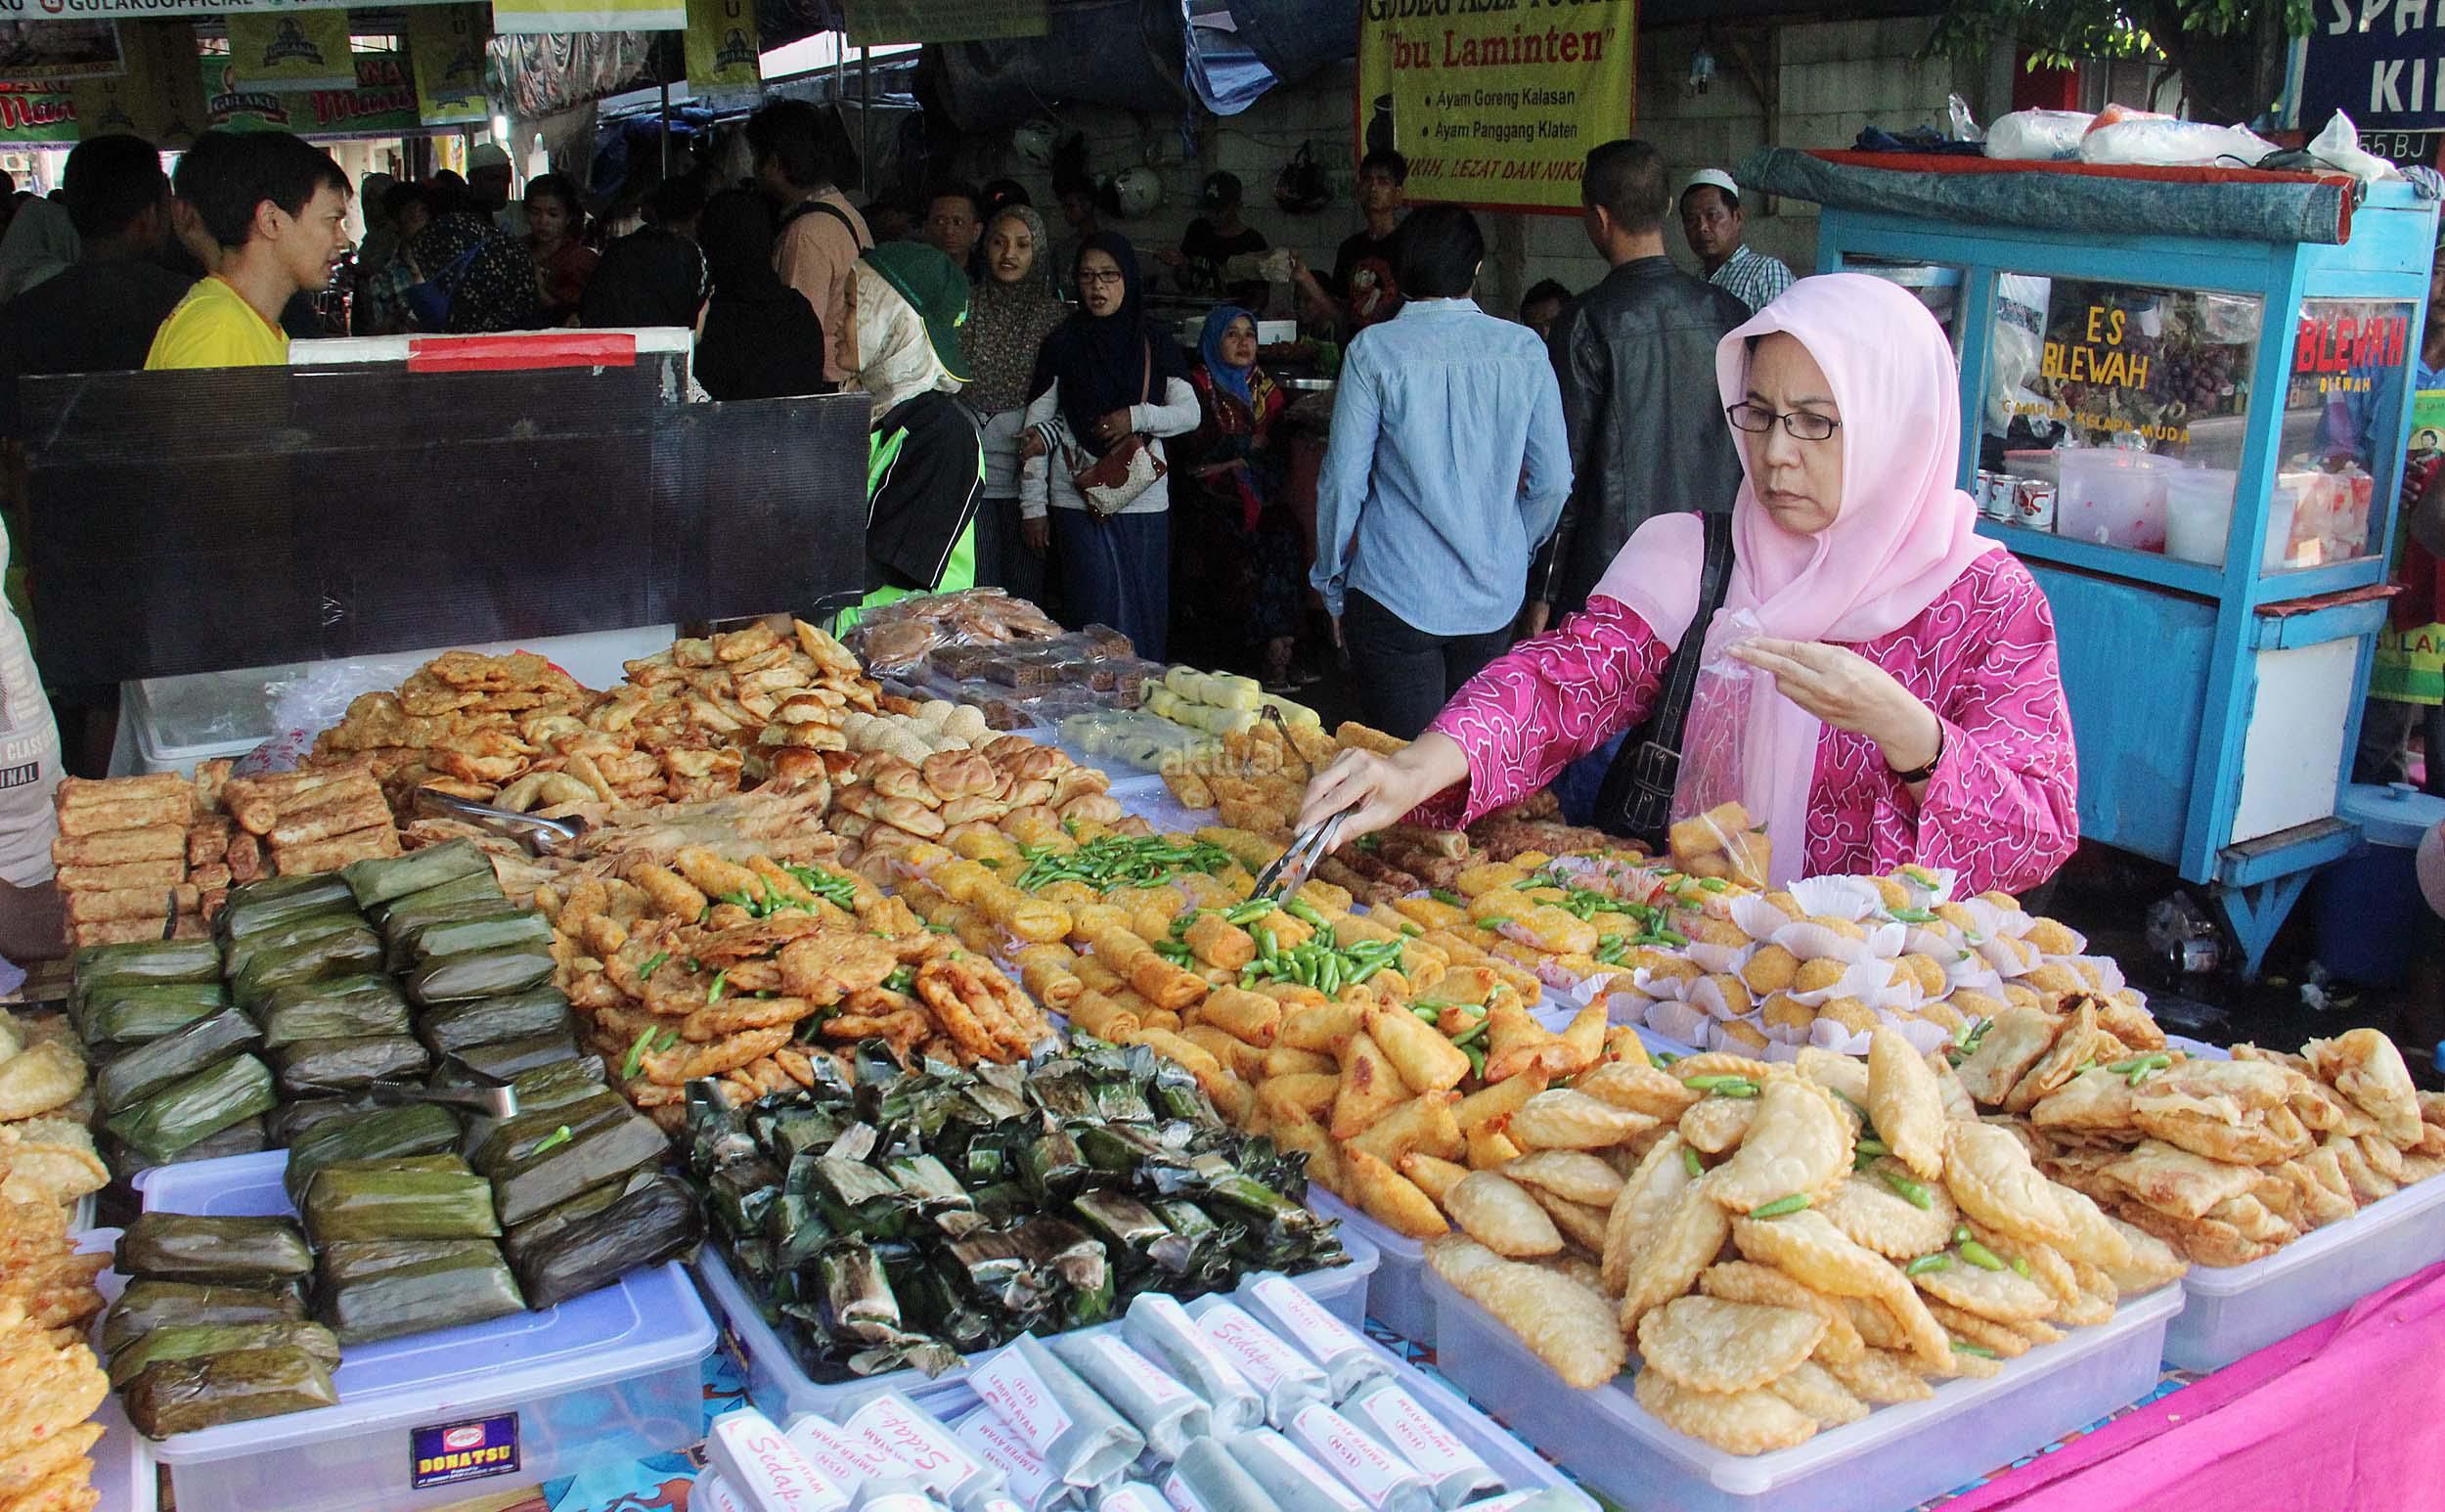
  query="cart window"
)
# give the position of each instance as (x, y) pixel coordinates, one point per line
(1937, 286)
(2345, 442)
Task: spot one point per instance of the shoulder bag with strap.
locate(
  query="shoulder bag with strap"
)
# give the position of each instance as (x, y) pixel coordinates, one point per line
(811, 207)
(1636, 801)
(430, 300)
(1112, 482)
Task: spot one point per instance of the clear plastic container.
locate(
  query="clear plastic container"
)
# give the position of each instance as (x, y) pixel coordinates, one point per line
(1898, 1457)
(2236, 1310)
(1522, 1468)
(2113, 496)
(123, 1475)
(781, 1387)
(2198, 513)
(613, 1375)
(1396, 1292)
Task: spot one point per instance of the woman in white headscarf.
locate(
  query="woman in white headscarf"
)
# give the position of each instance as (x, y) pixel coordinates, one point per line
(41, 242)
(926, 466)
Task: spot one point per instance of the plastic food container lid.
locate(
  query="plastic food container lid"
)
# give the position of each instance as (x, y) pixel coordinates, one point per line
(2394, 814)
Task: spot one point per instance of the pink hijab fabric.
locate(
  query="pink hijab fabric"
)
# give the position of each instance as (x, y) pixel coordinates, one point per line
(1903, 535)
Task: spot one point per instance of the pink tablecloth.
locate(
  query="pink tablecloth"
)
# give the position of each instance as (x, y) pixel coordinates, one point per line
(2347, 1415)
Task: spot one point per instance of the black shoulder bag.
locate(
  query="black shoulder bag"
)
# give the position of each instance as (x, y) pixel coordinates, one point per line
(1636, 801)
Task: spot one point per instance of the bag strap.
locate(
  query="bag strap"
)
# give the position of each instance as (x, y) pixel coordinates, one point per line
(1636, 797)
(812, 206)
(449, 277)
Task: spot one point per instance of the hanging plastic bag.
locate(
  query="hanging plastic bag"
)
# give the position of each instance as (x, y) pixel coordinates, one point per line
(2338, 147)
(1963, 126)
(1713, 833)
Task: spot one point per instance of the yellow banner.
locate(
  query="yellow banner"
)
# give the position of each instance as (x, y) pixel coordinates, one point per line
(292, 50)
(446, 54)
(875, 22)
(528, 16)
(1496, 103)
(159, 95)
(723, 45)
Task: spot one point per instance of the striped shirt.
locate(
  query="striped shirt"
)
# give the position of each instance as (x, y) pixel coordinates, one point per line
(1751, 277)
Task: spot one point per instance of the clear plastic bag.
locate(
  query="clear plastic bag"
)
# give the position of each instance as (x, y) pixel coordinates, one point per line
(316, 699)
(2037, 136)
(2162, 142)
(1713, 834)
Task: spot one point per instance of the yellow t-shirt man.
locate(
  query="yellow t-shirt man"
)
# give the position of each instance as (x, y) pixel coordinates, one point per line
(214, 327)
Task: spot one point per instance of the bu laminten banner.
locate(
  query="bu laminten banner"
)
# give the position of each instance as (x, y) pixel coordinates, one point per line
(296, 50)
(380, 104)
(159, 95)
(446, 48)
(528, 16)
(877, 23)
(1495, 102)
(722, 47)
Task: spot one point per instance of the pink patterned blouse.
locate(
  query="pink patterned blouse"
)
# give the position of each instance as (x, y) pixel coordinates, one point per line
(2001, 807)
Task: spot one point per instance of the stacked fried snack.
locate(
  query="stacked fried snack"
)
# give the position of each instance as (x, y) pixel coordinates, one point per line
(889, 799)
(899, 637)
(46, 1150)
(53, 1383)
(1884, 1235)
(318, 819)
(2227, 1161)
(464, 722)
(133, 849)
(745, 972)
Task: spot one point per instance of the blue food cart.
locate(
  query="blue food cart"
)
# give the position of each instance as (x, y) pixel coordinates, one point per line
(2185, 406)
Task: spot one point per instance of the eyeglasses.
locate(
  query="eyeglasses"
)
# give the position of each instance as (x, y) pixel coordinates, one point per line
(1798, 425)
(1112, 276)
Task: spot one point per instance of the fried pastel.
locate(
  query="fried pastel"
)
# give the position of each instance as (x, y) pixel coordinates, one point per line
(2097, 1101)
(1990, 1175)
(1812, 1389)
(1648, 1194)
(1795, 1144)
(1984, 1332)
(2366, 1068)
(1572, 1175)
(1816, 1253)
(2080, 1041)
(2176, 1182)
(1846, 1076)
(1881, 1378)
(1561, 1119)
(2098, 1296)
(1685, 1243)
(1710, 1345)
(1905, 1104)
(2005, 1295)
(1568, 1326)
(1717, 1124)
(1722, 1063)
(1749, 1422)
(1501, 1214)
(2018, 1038)
(1641, 1088)
(2257, 1142)
(1743, 1280)
(1870, 1213)
(1390, 1198)
(2093, 1239)
(1580, 1223)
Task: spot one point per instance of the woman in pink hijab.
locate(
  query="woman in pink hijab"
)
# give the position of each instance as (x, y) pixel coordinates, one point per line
(1905, 708)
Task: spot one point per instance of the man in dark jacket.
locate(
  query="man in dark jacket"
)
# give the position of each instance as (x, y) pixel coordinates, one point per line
(1635, 355)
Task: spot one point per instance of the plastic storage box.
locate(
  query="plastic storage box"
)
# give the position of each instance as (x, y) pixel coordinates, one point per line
(123, 1476)
(2235, 1309)
(615, 1374)
(781, 1387)
(1522, 1468)
(1898, 1457)
(1395, 1293)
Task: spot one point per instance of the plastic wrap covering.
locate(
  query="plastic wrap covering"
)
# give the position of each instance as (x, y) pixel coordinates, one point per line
(541, 75)
(1975, 192)
(1122, 53)
(196, 521)
(1268, 42)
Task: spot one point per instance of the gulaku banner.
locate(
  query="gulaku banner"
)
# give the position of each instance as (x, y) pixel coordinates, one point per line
(35, 52)
(159, 95)
(528, 16)
(446, 49)
(877, 23)
(382, 102)
(724, 50)
(1496, 105)
(292, 50)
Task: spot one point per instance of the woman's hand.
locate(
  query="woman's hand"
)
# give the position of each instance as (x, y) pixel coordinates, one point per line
(1848, 691)
(1385, 788)
(1113, 426)
(1031, 444)
(1037, 534)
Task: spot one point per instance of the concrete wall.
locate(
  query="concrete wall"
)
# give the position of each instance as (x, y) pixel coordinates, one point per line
(1828, 80)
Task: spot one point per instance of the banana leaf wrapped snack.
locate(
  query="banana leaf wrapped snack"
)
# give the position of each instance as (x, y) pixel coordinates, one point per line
(255, 1252)
(338, 1008)
(351, 950)
(193, 1341)
(181, 1396)
(276, 901)
(286, 936)
(382, 1134)
(316, 1067)
(139, 1071)
(383, 1288)
(406, 1197)
(135, 1012)
(386, 879)
(648, 1221)
(478, 974)
(505, 1061)
(149, 960)
(505, 927)
(453, 1027)
(539, 1160)
(469, 897)
(146, 1306)
(186, 1111)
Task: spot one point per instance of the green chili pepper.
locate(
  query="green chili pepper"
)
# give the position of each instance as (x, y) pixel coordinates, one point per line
(1781, 1206)
(1307, 914)
(2019, 1266)
(1329, 977)
(552, 1141)
(1911, 916)
(901, 981)
(1672, 937)
(1367, 970)
(1960, 1233)
(1691, 1163)
(670, 1036)
(1981, 1257)
(1871, 1146)
(1737, 1087)
(1267, 946)
(1493, 921)
(713, 994)
(1474, 1033)
(1708, 1083)
(1448, 898)
(1714, 884)
(1411, 930)
(1477, 1058)
(1666, 1057)
(1908, 1191)
(1979, 1350)
(1427, 1011)
(1939, 1261)
(1250, 911)
(653, 963)
(636, 1056)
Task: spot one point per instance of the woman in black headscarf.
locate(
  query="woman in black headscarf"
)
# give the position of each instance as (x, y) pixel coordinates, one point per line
(650, 277)
(761, 338)
(1106, 375)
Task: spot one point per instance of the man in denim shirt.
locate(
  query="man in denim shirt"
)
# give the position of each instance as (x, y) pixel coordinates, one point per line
(1447, 469)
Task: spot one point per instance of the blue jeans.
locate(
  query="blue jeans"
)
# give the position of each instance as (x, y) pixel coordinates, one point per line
(1582, 779)
(1118, 572)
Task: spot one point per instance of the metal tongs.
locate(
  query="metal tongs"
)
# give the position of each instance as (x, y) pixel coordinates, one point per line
(1291, 869)
(541, 836)
(491, 1096)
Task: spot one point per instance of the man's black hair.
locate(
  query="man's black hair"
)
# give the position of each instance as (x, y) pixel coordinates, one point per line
(111, 180)
(1389, 162)
(1543, 291)
(958, 188)
(806, 141)
(676, 200)
(401, 196)
(1625, 179)
(226, 176)
(1439, 251)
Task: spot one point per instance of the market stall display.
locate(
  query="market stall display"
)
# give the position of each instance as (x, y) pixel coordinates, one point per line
(54, 1384)
(900, 1219)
